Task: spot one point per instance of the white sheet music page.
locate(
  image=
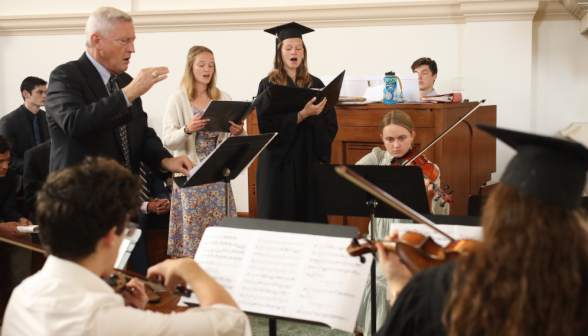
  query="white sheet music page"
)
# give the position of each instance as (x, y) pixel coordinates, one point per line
(290, 275)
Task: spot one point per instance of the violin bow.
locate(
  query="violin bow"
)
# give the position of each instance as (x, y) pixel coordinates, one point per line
(443, 134)
(22, 243)
(392, 201)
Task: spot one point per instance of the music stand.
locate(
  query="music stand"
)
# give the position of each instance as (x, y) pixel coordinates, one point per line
(343, 198)
(290, 227)
(226, 162)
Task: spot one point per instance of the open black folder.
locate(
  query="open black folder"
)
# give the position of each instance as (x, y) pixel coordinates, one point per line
(287, 99)
(235, 154)
(220, 112)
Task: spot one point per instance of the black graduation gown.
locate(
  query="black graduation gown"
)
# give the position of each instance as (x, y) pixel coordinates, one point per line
(418, 309)
(286, 185)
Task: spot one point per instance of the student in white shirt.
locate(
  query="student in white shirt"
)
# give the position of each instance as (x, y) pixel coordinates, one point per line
(426, 68)
(82, 213)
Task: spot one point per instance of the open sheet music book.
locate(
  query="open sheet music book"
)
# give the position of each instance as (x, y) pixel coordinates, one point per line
(296, 276)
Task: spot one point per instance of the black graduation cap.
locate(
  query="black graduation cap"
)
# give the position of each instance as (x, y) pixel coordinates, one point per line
(286, 31)
(552, 170)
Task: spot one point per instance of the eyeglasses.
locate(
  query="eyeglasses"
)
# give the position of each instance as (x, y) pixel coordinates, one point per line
(130, 228)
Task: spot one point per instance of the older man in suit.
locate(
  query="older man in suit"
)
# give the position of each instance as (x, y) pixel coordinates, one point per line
(94, 108)
(26, 127)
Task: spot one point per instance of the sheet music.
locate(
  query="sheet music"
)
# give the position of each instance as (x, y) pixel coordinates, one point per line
(455, 231)
(122, 249)
(285, 274)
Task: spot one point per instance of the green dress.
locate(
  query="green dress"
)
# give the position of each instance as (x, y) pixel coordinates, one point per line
(382, 226)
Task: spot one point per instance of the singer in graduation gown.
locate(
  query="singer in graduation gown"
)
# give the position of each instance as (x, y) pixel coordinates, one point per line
(286, 185)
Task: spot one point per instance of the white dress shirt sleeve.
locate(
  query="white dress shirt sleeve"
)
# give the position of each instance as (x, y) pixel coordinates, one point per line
(144, 207)
(217, 320)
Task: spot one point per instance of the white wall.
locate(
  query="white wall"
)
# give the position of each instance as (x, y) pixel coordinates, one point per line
(535, 72)
(560, 62)
(498, 66)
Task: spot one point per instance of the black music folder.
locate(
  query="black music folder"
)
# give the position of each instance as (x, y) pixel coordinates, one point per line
(289, 99)
(220, 112)
(234, 154)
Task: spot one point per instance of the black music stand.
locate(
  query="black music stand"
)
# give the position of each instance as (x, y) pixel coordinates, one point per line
(343, 198)
(290, 227)
(226, 162)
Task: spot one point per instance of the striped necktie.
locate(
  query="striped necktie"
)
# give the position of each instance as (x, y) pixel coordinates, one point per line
(112, 87)
(144, 196)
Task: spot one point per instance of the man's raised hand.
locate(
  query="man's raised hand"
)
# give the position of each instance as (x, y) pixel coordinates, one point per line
(143, 82)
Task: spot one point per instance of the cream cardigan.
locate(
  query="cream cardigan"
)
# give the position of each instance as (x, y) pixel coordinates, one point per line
(177, 115)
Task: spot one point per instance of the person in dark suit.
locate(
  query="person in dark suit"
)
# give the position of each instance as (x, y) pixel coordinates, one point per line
(26, 127)
(36, 170)
(154, 213)
(94, 108)
(20, 258)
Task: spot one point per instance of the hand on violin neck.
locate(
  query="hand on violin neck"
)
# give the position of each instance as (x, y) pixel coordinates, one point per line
(394, 270)
(135, 295)
(430, 193)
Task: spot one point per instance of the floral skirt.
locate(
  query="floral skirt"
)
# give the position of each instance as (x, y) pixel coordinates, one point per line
(193, 209)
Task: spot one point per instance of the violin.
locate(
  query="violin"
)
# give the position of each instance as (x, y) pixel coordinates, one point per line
(415, 250)
(430, 172)
(118, 279)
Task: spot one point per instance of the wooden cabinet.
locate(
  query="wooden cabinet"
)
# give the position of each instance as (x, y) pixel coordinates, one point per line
(466, 156)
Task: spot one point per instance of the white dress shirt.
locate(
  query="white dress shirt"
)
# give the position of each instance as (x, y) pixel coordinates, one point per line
(105, 75)
(65, 299)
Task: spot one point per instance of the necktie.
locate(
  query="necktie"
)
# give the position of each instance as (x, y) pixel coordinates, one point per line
(112, 87)
(144, 196)
(36, 129)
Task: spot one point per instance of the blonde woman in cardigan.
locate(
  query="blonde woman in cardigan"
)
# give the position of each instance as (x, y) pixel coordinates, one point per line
(397, 133)
(193, 209)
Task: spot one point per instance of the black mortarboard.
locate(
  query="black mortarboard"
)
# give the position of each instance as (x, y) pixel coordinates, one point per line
(286, 31)
(552, 170)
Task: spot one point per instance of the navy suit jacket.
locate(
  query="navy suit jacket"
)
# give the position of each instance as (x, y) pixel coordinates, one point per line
(16, 127)
(84, 120)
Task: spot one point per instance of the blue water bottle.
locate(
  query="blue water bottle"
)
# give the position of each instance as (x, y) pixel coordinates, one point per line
(390, 86)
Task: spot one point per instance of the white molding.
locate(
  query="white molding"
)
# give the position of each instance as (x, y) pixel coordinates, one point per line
(377, 14)
(577, 8)
(509, 10)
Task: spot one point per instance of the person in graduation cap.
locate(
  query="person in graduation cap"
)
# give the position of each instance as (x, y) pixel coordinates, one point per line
(286, 185)
(529, 276)
(193, 209)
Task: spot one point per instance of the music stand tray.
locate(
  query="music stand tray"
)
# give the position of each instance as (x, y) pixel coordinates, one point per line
(226, 162)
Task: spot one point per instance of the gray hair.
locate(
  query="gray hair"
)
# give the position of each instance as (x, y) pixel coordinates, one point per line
(102, 21)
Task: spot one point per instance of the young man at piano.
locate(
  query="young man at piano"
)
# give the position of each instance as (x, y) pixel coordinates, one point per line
(426, 68)
(83, 213)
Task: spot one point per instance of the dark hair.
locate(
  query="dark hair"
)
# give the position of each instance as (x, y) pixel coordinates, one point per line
(77, 206)
(30, 83)
(425, 61)
(4, 145)
(530, 275)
